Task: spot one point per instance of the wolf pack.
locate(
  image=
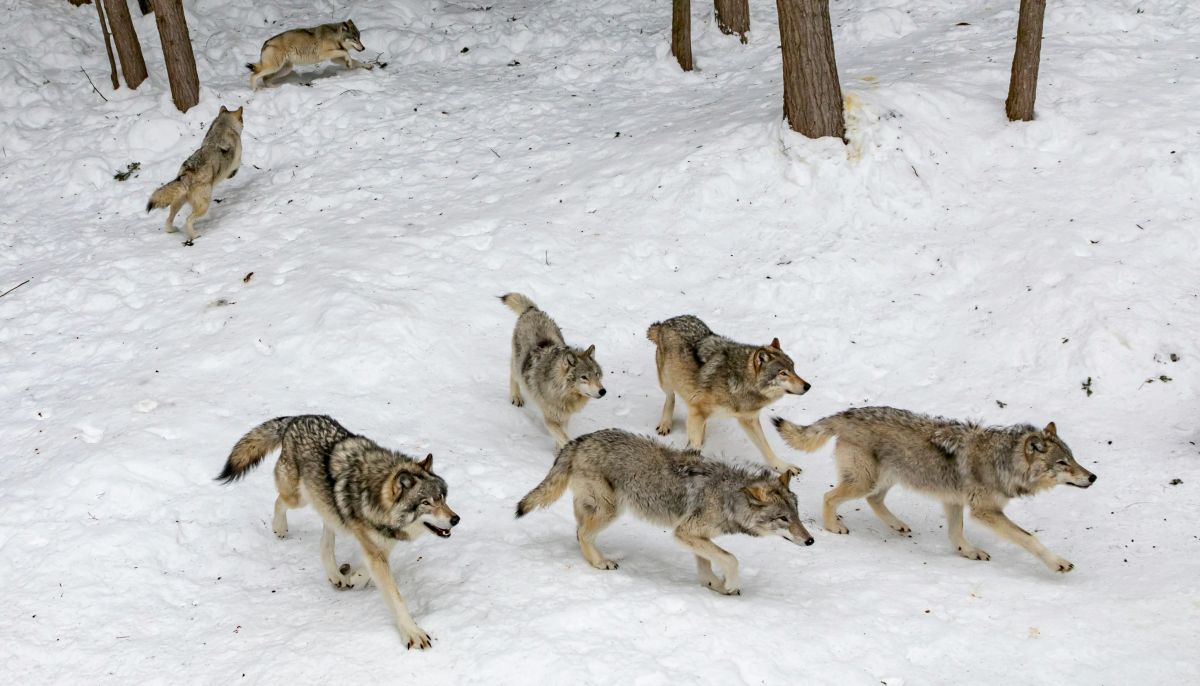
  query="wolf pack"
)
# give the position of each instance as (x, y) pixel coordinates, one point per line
(379, 496)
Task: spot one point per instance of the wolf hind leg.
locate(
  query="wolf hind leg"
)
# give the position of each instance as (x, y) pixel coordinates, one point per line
(875, 500)
(514, 383)
(199, 200)
(287, 482)
(595, 509)
(169, 227)
(857, 478)
(668, 414)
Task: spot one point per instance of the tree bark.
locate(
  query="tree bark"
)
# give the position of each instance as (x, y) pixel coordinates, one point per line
(1022, 84)
(812, 95)
(733, 16)
(681, 32)
(112, 62)
(132, 64)
(144, 6)
(177, 49)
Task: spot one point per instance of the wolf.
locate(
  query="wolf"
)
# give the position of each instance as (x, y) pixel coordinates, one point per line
(376, 495)
(612, 470)
(218, 159)
(559, 378)
(961, 464)
(717, 376)
(300, 47)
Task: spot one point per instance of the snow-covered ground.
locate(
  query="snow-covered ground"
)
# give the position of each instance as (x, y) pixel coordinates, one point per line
(946, 261)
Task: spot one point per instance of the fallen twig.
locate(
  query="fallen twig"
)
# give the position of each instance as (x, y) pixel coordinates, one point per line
(14, 288)
(89, 78)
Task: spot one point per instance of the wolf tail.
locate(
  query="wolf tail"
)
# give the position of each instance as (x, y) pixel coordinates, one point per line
(167, 195)
(552, 487)
(252, 67)
(805, 438)
(518, 303)
(252, 448)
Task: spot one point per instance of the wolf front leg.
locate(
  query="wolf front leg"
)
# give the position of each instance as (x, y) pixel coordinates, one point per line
(381, 574)
(557, 429)
(997, 521)
(705, 548)
(753, 429)
(696, 420)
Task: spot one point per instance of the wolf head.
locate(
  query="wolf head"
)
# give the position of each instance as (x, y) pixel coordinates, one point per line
(231, 117)
(1050, 461)
(414, 500)
(348, 36)
(774, 372)
(583, 373)
(770, 510)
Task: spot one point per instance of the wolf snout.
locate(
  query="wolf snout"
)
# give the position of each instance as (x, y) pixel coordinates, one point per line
(1091, 478)
(602, 392)
(804, 389)
(809, 541)
(454, 520)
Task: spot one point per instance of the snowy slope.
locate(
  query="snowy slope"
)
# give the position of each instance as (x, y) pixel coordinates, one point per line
(948, 262)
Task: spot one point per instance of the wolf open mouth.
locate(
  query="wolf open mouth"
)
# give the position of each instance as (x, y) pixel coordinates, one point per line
(444, 533)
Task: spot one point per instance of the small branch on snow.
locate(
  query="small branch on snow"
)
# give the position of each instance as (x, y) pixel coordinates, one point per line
(89, 78)
(495, 153)
(14, 288)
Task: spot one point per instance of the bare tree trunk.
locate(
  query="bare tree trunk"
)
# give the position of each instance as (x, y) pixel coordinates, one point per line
(681, 32)
(177, 49)
(144, 6)
(733, 16)
(812, 95)
(1022, 85)
(112, 62)
(132, 64)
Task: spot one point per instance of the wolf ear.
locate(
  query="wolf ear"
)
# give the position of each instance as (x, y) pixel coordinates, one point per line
(1050, 430)
(590, 352)
(403, 480)
(223, 109)
(760, 358)
(756, 494)
(1035, 443)
(570, 360)
(775, 343)
(785, 479)
(427, 463)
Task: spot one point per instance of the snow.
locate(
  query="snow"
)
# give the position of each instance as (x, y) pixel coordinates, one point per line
(945, 261)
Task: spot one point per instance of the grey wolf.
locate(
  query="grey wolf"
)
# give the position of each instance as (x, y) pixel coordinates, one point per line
(300, 47)
(560, 378)
(717, 376)
(960, 464)
(376, 495)
(612, 470)
(218, 159)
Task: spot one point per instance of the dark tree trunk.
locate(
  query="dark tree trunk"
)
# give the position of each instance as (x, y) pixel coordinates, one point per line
(112, 63)
(144, 6)
(812, 95)
(1022, 85)
(132, 64)
(177, 49)
(733, 16)
(681, 32)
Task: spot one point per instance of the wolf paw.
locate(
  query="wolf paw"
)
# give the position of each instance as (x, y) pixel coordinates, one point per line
(719, 587)
(281, 534)
(973, 553)
(416, 638)
(901, 528)
(606, 565)
(517, 400)
(663, 429)
(836, 527)
(1060, 565)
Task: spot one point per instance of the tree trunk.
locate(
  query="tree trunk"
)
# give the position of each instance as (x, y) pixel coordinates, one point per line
(812, 95)
(112, 63)
(681, 32)
(132, 64)
(733, 16)
(1022, 85)
(144, 6)
(177, 49)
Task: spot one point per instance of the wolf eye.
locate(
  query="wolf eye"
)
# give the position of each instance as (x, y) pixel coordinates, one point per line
(1062, 463)
(583, 376)
(781, 519)
(427, 502)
